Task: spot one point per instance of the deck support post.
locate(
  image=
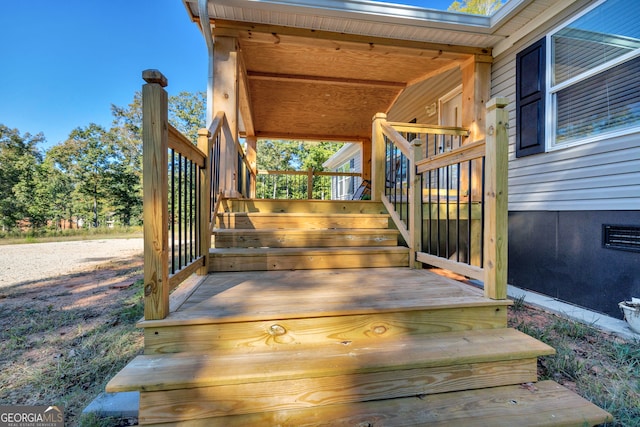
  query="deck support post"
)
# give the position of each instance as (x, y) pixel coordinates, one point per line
(225, 98)
(415, 204)
(204, 144)
(252, 156)
(377, 157)
(496, 200)
(155, 142)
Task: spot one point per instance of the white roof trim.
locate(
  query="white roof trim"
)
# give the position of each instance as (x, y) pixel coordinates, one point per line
(382, 12)
(346, 152)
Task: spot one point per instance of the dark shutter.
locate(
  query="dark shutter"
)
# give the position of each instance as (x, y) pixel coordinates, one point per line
(530, 99)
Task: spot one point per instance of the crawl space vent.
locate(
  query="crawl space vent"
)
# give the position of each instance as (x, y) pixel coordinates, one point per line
(621, 237)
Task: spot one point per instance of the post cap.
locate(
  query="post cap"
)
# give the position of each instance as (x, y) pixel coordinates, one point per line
(498, 102)
(154, 76)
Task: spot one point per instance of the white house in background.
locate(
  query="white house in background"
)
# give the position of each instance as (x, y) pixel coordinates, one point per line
(347, 159)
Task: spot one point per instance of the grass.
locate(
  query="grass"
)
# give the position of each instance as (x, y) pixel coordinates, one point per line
(600, 367)
(48, 235)
(60, 348)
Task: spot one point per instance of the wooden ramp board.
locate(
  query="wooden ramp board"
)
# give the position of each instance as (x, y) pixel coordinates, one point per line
(545, 404)
(271, 259)
(301, 238)
(251, 220)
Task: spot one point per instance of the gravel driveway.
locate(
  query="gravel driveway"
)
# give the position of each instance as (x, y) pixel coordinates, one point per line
(37, 261)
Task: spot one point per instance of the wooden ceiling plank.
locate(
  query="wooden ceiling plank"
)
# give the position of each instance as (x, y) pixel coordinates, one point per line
(254, 75)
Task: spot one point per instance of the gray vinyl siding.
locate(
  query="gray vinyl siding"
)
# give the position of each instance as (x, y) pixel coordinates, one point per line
(412, 103)
(601, 175)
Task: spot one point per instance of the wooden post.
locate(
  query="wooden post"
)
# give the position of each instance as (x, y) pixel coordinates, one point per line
(310, 183)
(378, 178)
(204, 145)
(225, 98)
(155, 141)
(415, 200)
(496, 200)
(476, 88)
(252, 158)
(366, 159)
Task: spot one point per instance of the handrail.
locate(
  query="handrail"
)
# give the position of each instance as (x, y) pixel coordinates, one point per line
(430, 129)
(472, 151)
(397, 139)
(311, 184)
(182, 145)
(237, 175)
(446, 196)
(184, 184)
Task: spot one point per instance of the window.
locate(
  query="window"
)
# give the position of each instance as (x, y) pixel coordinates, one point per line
(583, 79)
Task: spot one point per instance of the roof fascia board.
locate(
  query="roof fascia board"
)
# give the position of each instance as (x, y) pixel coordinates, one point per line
(557, 8)
(371, 11)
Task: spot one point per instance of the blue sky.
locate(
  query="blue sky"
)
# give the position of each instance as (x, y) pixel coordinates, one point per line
(64, 62)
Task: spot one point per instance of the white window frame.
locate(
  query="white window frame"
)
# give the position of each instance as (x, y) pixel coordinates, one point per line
(551, 110)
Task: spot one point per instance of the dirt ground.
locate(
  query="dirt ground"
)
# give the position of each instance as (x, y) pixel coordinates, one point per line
(67, 316)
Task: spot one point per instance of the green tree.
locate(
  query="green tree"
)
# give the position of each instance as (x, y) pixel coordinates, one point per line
(476, 7)
(19, 160)
(55, 189)
(290, 155)
(87, 156)
(187, 113)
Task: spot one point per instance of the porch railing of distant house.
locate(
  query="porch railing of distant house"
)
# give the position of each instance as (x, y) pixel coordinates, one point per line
(292, 185)
(183, 185)
(447, 198)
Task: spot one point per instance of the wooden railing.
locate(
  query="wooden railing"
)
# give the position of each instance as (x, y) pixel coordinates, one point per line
(292, 185)
(448, 199)
(183, 183)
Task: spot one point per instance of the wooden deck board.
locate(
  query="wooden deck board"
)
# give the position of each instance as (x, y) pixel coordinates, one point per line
(549, 404)
(196, 370)
(263, 295)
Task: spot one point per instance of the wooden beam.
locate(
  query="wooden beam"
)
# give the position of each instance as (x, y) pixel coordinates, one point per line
(225, 98)
(254, 75)
(225, 87)
(476, 88)
(307, 136)
(279, 34)
(245, 104)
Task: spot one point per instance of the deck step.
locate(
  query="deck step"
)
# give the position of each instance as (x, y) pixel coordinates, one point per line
(270, 259)
(302, 206)
(258, 220)
(301, 238)
(219, 383)
(543, 404)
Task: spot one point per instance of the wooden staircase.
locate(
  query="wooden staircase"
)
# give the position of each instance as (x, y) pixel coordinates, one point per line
(296, 328)
(265, 235)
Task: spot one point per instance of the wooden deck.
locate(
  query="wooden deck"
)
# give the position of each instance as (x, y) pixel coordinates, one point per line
(321, 293)
(315, 346)
(311, 340)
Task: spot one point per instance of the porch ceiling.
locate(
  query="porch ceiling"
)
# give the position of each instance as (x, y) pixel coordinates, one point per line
(317, 85)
